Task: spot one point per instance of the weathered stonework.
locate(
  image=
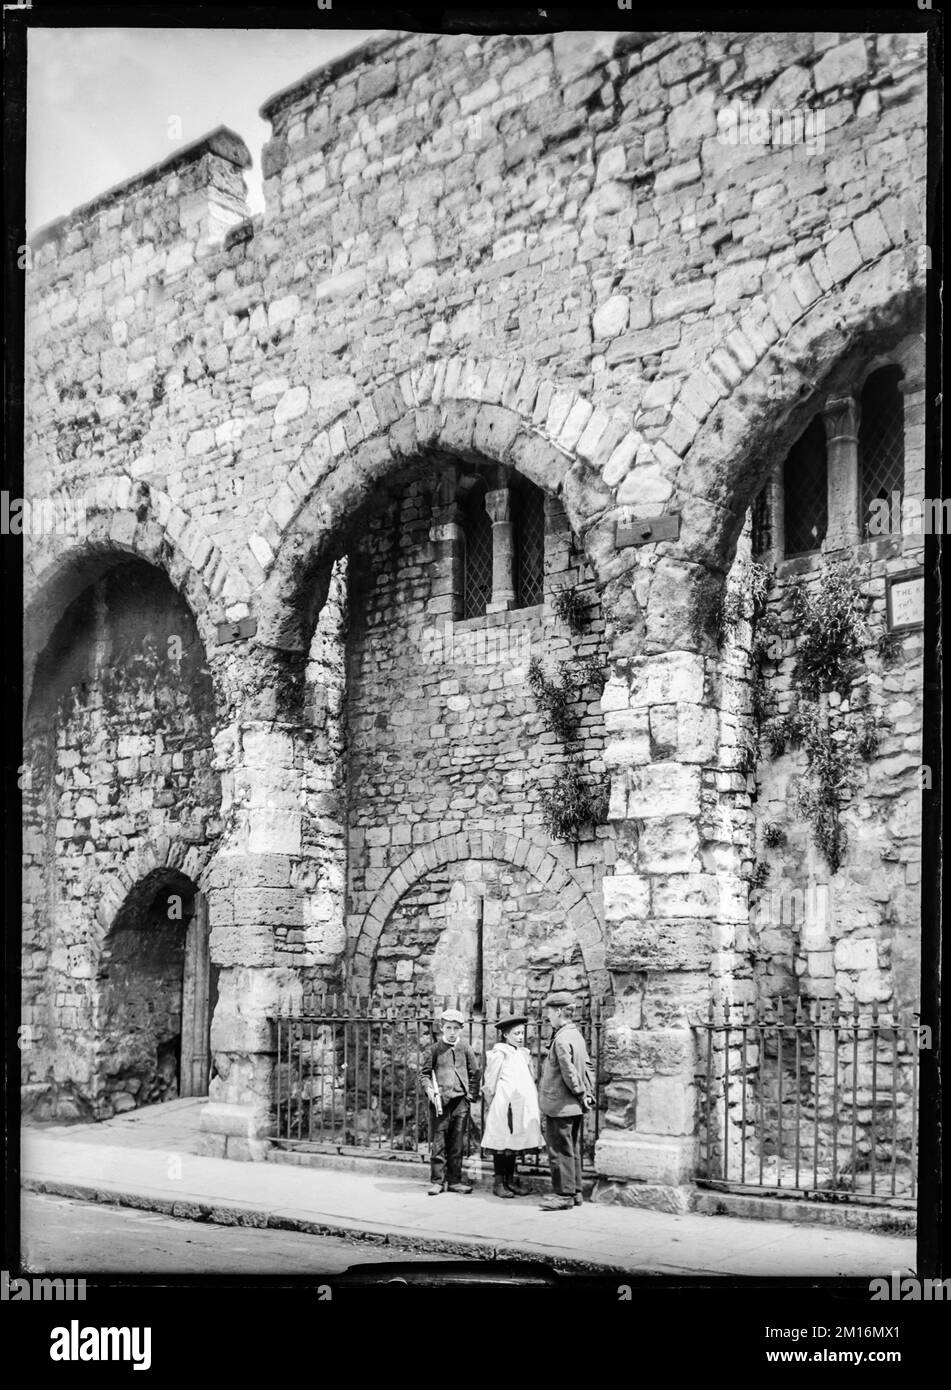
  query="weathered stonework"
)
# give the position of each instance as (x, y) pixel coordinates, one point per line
(527, 254)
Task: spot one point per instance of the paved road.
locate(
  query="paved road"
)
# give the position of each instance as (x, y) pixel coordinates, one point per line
(63, 1236)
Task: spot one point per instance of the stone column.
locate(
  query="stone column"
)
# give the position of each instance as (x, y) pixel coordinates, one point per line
(841, 420)
(256, 911)
(912, 388)
(498, 504)
(671, 910)
(776, 501)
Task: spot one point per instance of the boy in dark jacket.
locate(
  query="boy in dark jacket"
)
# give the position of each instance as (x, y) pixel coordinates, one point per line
(451, 1080)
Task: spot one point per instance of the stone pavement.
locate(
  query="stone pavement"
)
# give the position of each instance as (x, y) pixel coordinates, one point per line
(148, 1160)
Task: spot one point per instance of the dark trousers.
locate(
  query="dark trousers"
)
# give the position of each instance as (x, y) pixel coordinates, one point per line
(447, 1137)
(563, 1136)
(503, 1166)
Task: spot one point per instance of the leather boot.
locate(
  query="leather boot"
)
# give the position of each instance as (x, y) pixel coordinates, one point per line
(500, 1190)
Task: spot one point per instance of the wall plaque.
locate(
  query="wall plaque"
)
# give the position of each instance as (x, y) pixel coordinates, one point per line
(905, 600)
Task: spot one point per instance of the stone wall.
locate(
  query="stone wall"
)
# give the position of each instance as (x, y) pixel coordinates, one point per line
(119, 747)
(538, 253)
(445, 736)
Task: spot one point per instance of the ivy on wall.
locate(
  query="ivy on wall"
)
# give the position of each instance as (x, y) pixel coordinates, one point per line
(828, 630)
(573, 800)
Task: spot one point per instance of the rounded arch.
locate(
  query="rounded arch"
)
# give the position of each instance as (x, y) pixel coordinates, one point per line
(490, 412)
(510, 849)
(118, 519)
(154, 988)
(790, 348)
(154, 863)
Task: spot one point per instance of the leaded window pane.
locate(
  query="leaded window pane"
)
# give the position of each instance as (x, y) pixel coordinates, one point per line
(805, 494)
(881, 439)
(529, 503)
(478, 542)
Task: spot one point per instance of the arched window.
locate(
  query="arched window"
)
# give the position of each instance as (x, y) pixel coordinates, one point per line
(528, 510)
(805, 500)
(881, 439)
(477, 592)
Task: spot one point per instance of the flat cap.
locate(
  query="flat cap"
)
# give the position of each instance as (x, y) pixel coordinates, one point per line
(560, 999)
(451, 1016)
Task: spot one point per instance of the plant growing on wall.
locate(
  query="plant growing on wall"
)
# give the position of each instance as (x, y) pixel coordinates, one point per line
(781, 732)
(764, 629)
(556, 698)
(573, 802)
(828, 618)
(868, 737)
(716, 610)
(773, 834)
(888, 647)
(828, 783)
(828, 628)
(571, 608)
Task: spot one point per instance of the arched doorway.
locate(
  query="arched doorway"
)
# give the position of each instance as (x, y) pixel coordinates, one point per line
(157, 991)
(122, 800)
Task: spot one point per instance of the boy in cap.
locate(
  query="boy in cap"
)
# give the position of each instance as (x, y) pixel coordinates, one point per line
(564, 1094)
(452, 1081)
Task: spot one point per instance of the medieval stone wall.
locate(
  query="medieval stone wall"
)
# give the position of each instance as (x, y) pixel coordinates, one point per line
(119, 749)
(538, 253)
(444, 736)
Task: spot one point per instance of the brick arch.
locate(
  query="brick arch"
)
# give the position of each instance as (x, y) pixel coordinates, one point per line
(125, 519)
(511, 849)
(494, 411)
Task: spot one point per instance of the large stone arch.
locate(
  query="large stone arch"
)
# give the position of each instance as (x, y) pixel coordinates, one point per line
(737, 411)
(751, 399)
(124, 519)
(495, 411)
(543, 867)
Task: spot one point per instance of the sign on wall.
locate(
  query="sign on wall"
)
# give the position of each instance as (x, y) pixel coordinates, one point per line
(905, 600)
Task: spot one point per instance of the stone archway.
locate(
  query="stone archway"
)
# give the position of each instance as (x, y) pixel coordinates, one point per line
(157, 991)
(542, 868)
(498, 412)
(122, 785)
(121, 519)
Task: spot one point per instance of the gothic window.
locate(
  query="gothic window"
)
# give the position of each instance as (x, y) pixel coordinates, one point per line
(881, 439)
(762, 523)
(528, 511)
(478, 553)
(805, 501)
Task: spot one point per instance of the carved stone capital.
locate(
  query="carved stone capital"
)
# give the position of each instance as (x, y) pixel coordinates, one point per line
(498, 504)
(841, 419)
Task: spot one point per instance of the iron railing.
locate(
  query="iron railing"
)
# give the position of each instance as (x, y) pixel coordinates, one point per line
(809, 1099)
(348, 1071)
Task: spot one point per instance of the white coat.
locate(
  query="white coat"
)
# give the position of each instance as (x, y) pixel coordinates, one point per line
(512, 1119)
